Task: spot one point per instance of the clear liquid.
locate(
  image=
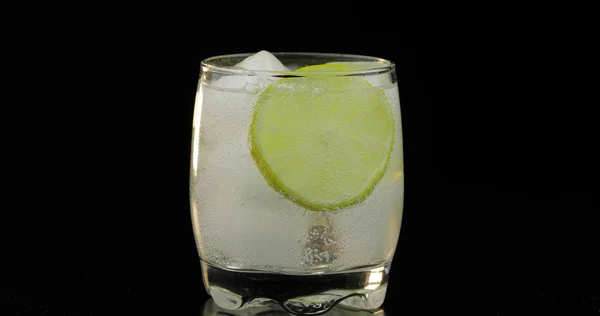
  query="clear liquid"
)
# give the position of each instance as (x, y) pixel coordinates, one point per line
(241, 223)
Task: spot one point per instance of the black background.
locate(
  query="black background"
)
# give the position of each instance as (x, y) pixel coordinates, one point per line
(500, 167)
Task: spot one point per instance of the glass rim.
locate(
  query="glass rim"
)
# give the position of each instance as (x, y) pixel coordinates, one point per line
(385, 65)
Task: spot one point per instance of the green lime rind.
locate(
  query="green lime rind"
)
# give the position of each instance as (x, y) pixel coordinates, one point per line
(322, 142)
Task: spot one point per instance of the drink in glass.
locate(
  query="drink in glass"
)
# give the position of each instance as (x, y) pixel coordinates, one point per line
(296, 179)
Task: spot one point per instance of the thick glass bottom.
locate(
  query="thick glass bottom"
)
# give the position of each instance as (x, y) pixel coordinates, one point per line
(210, 308)
(360, 289)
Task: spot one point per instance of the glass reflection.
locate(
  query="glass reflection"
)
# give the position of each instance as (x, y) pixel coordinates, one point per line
(211, 309)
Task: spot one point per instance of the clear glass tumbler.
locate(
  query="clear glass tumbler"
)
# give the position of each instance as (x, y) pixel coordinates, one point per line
(296, 181)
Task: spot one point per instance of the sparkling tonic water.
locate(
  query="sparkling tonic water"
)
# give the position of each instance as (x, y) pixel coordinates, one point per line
(258, 247)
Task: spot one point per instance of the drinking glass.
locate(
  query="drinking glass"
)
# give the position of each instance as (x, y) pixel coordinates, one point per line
(296, 181)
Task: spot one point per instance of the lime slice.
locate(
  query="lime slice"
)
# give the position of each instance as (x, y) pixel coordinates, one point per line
(324, 68)
(322, 141)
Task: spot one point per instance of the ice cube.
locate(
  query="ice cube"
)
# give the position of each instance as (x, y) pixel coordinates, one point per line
(261, 61)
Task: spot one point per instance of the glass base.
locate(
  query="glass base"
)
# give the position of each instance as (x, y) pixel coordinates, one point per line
(360, 289)
(210, 308)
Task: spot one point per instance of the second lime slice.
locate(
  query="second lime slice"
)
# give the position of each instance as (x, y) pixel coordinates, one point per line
(322, 141)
